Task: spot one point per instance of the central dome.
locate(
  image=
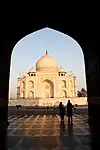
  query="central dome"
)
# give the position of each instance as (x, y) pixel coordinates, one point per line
(46, 63)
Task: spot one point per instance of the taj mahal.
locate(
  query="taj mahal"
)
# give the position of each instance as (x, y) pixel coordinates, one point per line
(47, 83)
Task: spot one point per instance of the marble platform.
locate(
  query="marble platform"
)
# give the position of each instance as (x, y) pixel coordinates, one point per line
(46, 132)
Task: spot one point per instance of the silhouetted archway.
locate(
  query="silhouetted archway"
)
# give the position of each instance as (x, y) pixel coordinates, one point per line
(89, 43)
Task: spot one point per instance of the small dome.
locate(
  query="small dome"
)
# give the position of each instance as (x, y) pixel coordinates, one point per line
(21, 75)
(61, 69)
(46, 63)
(32, 70)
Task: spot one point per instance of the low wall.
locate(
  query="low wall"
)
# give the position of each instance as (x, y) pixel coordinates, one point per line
(79, 101)
(48, 101)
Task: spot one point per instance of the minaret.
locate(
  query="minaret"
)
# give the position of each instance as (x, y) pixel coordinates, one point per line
(18, 87)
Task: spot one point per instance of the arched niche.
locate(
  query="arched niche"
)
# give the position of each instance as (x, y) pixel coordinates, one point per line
(57, 103)
(23, 84)
(31, 84)
(23, 94)
(64, 94)
(31, 94)
(63, 84)
(48, 89)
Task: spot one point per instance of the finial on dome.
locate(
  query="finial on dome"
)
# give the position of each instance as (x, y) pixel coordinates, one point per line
(46, 52)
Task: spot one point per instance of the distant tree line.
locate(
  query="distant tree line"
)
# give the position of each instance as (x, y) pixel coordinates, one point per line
(82, 93)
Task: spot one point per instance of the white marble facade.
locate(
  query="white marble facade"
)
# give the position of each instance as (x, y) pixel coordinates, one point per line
(46, 80)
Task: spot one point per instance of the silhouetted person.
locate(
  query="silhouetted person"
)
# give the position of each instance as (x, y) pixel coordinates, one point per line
(62, 111)
(69, 111)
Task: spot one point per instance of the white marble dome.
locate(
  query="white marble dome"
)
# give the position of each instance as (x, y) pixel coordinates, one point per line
(46, 63)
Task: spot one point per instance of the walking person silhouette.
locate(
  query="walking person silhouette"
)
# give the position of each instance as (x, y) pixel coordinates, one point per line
(62, 111)
(69, 111)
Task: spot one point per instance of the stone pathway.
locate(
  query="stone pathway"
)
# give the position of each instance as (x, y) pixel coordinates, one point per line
(47, 133)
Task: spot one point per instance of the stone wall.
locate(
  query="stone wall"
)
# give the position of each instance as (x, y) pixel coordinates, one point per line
(47, 101)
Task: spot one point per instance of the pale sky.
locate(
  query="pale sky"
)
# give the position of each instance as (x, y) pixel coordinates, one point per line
(65, 50)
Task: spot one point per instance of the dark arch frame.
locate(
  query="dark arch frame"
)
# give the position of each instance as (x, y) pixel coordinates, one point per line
(86, 38)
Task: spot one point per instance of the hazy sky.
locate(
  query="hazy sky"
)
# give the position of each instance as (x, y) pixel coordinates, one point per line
(65, 50)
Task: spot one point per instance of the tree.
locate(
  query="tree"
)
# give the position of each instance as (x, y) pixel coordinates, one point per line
(79, 94)
(83, 92)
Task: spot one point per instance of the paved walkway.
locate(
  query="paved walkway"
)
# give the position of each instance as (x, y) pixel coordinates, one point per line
(47, 133)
